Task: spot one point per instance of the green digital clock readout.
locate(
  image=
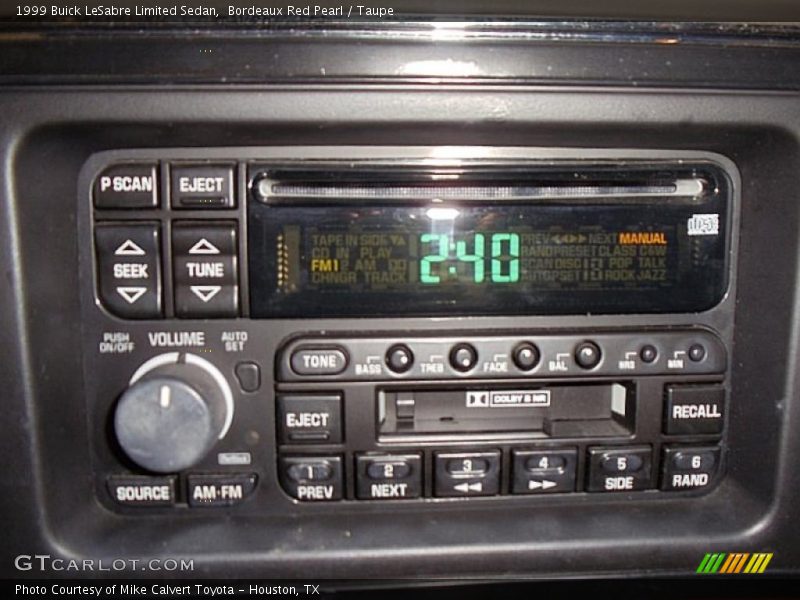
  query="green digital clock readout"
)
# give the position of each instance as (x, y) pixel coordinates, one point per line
(499, 250)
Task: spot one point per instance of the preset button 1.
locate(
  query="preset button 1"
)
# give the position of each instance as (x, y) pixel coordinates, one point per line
(129, 266)
(205, 270)
(312, 478)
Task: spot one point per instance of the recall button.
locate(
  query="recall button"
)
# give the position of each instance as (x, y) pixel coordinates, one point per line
(142, 491)
(127, 186)
(129, 269)
(309, 419)
(220, 490)
(694, 409)
(318, 361)
(202, 186)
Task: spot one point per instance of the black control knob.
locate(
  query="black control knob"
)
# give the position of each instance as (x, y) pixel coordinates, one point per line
(525, 356)
(697, 352)
(587, 355)
(463, 357)
(173, 413)
(399, 358)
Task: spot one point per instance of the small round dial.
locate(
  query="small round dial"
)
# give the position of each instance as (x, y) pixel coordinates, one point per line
(173, 412)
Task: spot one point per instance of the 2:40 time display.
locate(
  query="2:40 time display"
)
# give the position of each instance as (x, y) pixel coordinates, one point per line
(492, 257)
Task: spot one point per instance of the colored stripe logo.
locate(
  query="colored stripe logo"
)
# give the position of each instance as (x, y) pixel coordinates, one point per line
(734, 563)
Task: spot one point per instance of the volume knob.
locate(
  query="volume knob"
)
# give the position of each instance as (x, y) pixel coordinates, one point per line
(173, 412)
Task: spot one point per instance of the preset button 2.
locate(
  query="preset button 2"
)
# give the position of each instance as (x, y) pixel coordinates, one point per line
(129, 266)
(389, 477)
(205, 270)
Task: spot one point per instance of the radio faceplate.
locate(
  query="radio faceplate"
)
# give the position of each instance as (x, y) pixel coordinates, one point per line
(325, 410)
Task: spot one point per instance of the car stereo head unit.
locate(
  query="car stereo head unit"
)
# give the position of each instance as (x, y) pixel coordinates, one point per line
(287, 328)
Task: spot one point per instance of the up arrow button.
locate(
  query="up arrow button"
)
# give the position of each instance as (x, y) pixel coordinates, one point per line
(129, 248)
(204, 247)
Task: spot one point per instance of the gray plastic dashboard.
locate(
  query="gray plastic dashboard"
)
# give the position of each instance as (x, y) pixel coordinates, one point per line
(50, 501)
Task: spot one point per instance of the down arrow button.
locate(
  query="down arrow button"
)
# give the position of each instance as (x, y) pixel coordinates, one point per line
(205, 270)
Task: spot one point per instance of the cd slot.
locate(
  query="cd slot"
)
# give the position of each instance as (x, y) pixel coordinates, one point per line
(552, 411)
(459, 186)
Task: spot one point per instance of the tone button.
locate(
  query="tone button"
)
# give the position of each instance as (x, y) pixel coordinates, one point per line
(318, 361)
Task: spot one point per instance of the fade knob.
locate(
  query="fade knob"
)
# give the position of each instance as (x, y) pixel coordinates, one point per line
(175, 409)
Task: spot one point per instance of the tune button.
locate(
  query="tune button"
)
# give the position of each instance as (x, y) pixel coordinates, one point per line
(463, 357)
(399, 358)
(587, 355)
(526, 356)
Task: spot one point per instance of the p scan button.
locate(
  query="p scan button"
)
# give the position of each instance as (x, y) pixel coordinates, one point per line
(127, 186)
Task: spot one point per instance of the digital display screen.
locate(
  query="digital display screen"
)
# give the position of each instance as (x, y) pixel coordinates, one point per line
(482, 258)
